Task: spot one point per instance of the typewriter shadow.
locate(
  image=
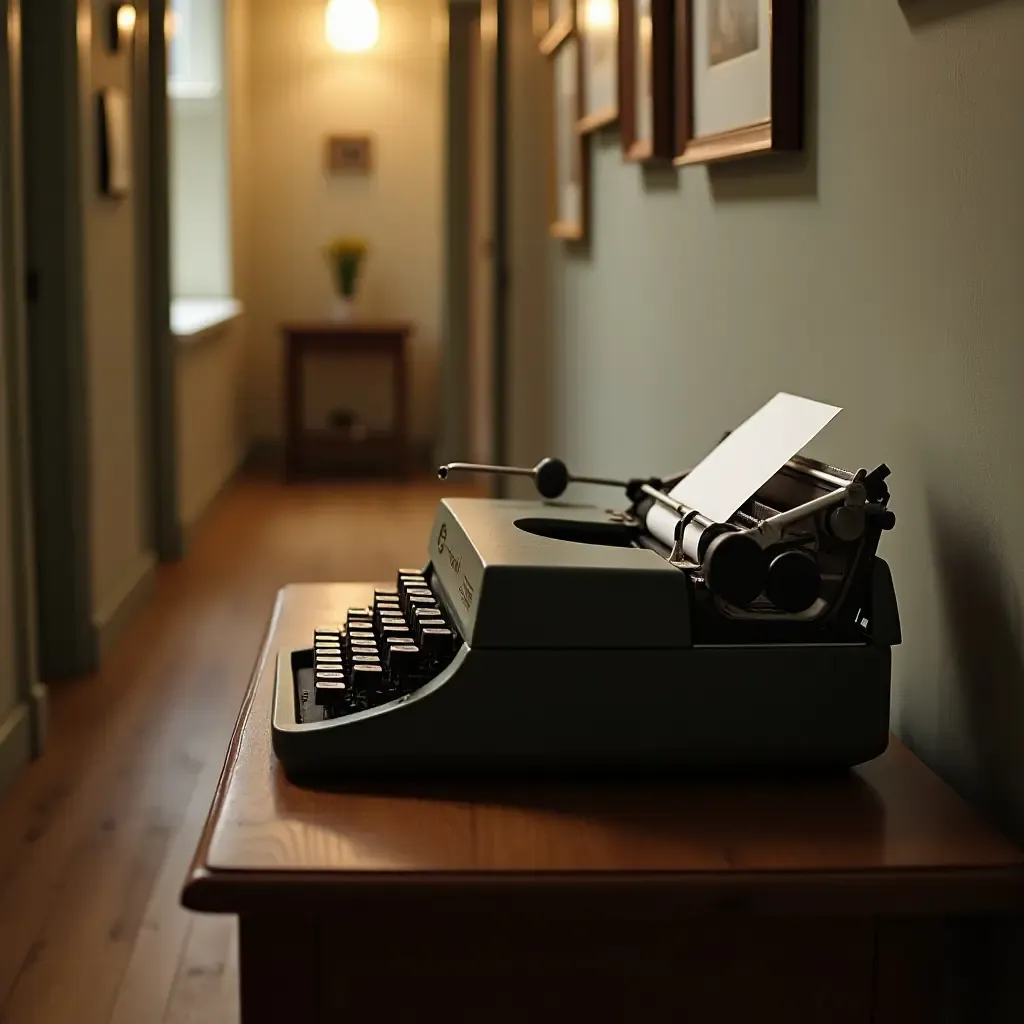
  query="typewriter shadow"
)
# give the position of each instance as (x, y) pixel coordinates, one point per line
(983, 625)
(658, 822)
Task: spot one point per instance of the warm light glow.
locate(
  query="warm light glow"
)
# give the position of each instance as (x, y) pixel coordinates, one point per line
(170, 23)
(126, 17)
(600, 14)
(352, 26)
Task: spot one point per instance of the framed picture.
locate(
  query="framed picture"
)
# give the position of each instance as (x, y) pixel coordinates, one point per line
(570, 172)
(115, 143)
(348, 154)
(558, 18)
(743, 92)
(597, 25)
(647, 118)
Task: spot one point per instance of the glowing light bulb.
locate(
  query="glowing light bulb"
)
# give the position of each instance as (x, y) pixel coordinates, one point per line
(126, 17)
(352, 26)
(600, 14)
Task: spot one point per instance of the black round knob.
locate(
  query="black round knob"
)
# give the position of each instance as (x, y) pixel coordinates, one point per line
(794, 581)
(847, 523)
(735, 568)
(552, 478)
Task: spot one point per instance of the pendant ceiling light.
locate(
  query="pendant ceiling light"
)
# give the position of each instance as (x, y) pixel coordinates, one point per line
(352, 26)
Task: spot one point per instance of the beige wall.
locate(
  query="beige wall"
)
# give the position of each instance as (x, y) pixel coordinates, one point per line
(301, 91)
(213, 435)
(8, 589)
(884, 277)
(120, 548)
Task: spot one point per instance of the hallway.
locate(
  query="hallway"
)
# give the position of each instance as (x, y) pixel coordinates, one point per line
(96, 838)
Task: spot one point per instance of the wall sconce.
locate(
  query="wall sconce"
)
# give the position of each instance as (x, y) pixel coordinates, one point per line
(352, 26)
(120, 22)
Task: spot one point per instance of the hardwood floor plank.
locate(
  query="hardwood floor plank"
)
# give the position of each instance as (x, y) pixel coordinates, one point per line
(96, 836)
(200, 995)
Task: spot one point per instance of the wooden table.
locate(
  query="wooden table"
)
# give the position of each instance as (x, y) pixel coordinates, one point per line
(822, 901)
(387, 340)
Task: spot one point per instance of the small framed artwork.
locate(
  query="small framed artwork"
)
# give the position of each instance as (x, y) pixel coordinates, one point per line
(349, 154)
(740, 78)
(559, 22)
(115, 143)
(647, 118)
(570, 171)
(598, 31)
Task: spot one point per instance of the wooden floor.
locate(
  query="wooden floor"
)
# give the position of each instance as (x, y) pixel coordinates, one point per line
(96, 837)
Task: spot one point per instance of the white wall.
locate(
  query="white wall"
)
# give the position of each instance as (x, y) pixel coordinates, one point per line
(883, 276)
(301, 92)
(120, 549)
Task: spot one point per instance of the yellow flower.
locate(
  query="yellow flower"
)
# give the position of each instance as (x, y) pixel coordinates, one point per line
(347, 247)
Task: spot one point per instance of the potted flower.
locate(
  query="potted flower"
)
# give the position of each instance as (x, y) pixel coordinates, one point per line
(345, 257)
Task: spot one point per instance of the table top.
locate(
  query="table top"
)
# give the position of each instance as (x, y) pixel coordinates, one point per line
(889, 836)
(343, 328)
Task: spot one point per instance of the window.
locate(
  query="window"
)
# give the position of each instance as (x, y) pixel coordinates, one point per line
(196, 49)
(201, 270)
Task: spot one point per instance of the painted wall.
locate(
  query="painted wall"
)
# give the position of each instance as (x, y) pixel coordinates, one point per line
(8, 590)
(881, 273)
(213, 432)
(121, 554)
(301, 92)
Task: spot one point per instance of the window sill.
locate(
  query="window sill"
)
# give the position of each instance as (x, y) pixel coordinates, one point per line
(193, 320)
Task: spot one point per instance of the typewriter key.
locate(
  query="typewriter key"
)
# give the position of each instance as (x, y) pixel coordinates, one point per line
(367, 679)
(421, 602)
(427, 623)
(381, 593)
(325, 634)
(361, 634)
(329, 688)
(403, 661)
(365, 659)
(437, 643)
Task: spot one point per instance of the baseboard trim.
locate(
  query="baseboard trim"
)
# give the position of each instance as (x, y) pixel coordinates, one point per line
(15, 745)
(130, 596)
(39, 706)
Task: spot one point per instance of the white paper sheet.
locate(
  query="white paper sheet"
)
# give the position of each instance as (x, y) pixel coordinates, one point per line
(747, 459)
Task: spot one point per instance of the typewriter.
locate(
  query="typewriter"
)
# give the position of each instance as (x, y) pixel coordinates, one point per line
(554, 638)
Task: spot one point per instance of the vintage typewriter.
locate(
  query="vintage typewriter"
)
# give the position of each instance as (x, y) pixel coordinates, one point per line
(555, 638)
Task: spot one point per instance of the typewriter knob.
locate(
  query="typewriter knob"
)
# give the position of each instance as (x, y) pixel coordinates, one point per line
(794, 581)
(847, 523)
(735, 568)
(551, 477)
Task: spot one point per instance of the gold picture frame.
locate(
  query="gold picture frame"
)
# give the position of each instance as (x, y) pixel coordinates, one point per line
(557, 21)
(570, 161)
(597, 26)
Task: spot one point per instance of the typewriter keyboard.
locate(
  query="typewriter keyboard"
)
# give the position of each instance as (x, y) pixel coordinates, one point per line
(383, 651)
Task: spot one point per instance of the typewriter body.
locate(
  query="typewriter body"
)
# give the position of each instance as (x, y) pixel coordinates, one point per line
(545, 637)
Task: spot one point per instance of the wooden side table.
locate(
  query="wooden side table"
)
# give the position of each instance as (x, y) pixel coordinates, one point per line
(771, 901)
(387, 340)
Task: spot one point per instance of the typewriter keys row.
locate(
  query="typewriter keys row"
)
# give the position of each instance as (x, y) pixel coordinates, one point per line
(384, 650)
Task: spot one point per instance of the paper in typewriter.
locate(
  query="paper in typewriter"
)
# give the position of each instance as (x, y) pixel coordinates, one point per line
(747, 459)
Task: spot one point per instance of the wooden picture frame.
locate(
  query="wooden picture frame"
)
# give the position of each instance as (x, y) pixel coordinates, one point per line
(348, 154)
(747, 98)
(597, 27)
(570, 163)
(647, 36)
(113, 110)
(559, 22)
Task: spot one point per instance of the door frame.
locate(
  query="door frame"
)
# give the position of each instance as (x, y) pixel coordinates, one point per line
(29, 691)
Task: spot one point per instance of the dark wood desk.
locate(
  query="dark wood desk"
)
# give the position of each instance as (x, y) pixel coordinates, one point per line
(388, 340)
(771, 901)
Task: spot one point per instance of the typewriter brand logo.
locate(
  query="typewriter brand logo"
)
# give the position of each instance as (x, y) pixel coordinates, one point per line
(441, 538)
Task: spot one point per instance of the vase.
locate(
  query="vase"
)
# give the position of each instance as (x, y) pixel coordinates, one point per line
(343, 308)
